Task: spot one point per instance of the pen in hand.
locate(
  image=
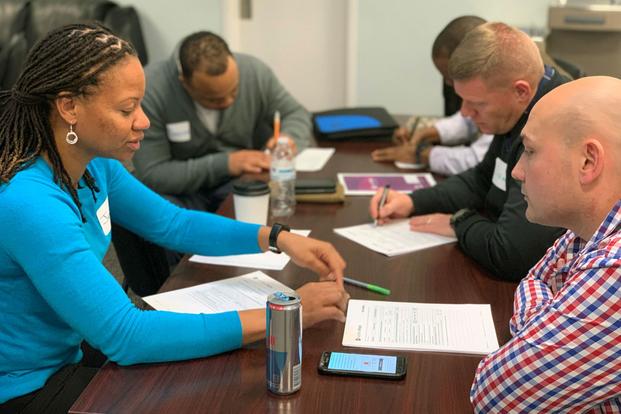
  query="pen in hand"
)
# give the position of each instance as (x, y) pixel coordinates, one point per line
(381, 202)
(414, 126)
(274, 139)
(276, 124)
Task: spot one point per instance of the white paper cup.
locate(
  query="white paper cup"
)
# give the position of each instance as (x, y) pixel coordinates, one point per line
(251, 200)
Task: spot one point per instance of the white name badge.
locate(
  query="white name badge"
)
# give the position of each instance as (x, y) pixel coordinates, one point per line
(179, 131)
(103, 214)
(500, 175)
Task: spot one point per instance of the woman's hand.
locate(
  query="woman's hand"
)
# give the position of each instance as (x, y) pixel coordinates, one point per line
(322, 301)
(319, 256)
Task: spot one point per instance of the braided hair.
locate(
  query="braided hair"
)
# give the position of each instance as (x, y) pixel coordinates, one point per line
(69, 59)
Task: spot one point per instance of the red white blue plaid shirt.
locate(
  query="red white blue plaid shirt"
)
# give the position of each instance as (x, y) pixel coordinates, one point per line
(565, 354)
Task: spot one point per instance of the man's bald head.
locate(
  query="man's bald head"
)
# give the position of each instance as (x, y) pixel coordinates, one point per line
(570, 170)
(585, 107)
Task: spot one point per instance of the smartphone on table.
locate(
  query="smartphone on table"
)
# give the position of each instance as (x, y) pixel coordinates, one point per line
(363, 365)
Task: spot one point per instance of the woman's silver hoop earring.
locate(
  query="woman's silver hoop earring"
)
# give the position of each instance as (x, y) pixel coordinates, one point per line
(71, 137)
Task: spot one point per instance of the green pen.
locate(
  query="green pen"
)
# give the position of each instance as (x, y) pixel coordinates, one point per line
(371, 287)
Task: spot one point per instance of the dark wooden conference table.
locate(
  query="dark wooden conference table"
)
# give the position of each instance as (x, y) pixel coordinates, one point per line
(235, 381)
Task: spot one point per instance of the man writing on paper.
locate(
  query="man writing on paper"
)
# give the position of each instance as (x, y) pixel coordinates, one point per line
(498, 72)
(211, 115)
(415, 146)
(565, 355)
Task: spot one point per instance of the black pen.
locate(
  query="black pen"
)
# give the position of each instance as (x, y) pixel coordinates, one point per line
(414, 126)
(382, 201)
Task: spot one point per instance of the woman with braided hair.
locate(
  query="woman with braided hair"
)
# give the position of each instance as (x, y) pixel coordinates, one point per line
(73, 114)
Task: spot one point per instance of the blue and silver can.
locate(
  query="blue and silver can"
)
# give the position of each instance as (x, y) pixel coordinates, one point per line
(283, 342)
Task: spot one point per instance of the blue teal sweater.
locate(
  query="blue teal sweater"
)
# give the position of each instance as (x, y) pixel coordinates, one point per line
(55, 292)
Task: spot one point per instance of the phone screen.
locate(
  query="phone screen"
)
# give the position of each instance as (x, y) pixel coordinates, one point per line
(363, 363)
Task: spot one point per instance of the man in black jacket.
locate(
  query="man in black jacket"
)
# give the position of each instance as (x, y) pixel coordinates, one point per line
(498, 72)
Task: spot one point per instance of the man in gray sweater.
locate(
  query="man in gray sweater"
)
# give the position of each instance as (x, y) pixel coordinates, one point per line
(211, 114)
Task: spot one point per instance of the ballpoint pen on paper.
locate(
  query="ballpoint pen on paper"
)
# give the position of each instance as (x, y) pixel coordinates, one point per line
(369, 286)
(382, 201)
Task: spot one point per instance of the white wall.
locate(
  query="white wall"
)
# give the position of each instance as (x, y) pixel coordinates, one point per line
(165, 22)
(394, 38)
(394, 49)
(305, 46)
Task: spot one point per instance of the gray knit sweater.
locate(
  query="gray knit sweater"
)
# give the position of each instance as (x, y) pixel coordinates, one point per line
(172, 162)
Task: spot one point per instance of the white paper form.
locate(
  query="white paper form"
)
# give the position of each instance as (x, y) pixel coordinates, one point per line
(393, 238)
(313, 159)
(249, 291)
(266, 260)
(420, 327)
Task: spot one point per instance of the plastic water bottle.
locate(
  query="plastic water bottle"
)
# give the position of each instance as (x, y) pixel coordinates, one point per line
(282, 176)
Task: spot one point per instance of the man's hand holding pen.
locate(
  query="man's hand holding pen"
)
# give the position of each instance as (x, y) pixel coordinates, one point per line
(396, 205)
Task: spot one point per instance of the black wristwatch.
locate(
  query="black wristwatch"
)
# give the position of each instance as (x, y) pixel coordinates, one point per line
(460, 216)
(422, 146)
(276, 229)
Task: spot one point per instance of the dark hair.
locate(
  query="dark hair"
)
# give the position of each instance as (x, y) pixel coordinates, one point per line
(203, 47)
(451, 36)
(69, 59)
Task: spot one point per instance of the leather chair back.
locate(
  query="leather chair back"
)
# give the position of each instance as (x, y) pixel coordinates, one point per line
(13, 14)
(12, 59)
(124, 22)
(46, 15)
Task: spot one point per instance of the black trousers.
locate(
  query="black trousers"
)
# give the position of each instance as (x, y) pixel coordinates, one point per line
(60, 390)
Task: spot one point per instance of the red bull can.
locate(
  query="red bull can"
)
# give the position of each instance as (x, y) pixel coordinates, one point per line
(283, 345)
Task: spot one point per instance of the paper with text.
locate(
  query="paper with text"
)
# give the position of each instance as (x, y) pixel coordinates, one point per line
(393, 238)
(249, 291)
(266, 260)
(313, 159)
(420, 327)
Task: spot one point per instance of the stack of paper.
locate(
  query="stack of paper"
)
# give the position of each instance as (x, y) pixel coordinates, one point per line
(313, 159)
(420, 327)
(249, 291)
(393, 238)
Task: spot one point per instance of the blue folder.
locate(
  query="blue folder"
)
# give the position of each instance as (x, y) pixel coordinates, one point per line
(352, 123)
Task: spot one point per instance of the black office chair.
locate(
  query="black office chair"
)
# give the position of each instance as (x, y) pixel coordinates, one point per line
(144, 264)
(12, 59)
(13, 16)
(124, 22)
(46, 15)
(574, 71)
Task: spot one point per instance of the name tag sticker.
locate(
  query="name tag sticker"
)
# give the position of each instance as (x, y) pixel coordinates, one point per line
(179, 131)
(500, 175)
(103, 214)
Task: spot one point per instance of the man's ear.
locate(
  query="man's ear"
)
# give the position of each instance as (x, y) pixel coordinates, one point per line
(65, 104)
(183, 80)
(522, 91)
(591, 161)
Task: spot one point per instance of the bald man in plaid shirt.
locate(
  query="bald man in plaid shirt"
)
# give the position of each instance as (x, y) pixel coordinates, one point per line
(565, 354)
